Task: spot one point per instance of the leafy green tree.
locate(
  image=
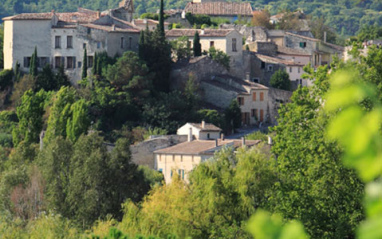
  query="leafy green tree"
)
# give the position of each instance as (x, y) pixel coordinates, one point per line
(84, 65)
(61, 78)
(280, 80)
(6, 79)
(141, 45)
(197, 47)
(30, 113)
(181, 48)
(17, 71)
(45, 80)
(79, 122)
(60, 113)
(310, 172)
(220, 57)
(34, 64)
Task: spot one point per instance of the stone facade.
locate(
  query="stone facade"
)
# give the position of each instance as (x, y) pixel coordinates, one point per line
(276, 98)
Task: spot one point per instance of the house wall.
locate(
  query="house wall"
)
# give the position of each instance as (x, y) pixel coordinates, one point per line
(296, 58)
(168, 162)
(277, 97)
(253, 103)
(209, 135)
(20, 42)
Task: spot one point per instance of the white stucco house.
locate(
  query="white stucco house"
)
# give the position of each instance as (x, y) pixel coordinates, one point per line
(200, 131)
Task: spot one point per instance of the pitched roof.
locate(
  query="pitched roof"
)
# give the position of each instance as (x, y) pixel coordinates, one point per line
(203, 147)
(207, 127)
(83, 15)
(220, 8)
(276, 60)
(302, 37)
(291, 51)
(147, 21)
(110, 28)
(202, 33)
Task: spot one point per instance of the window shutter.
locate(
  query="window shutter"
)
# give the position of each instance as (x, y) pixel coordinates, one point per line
(74, 62)
(63, 62)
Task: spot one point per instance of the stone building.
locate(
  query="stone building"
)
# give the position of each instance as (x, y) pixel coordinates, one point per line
(61, 38)
(229, 10)
(182, 158)
(227, 40)
(202, 131)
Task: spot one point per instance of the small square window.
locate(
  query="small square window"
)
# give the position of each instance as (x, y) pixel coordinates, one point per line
(69, 42)
(57, 42)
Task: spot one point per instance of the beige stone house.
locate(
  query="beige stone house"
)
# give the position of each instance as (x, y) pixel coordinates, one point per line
(142, 24)
(227, 40)
(184, 157)
(229, 10)
(61, 38)
(200, 131)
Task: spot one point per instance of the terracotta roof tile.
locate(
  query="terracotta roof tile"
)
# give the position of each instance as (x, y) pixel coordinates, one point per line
(31, 16)
(82, 16)
(110, 28)
(207, 127)
(276, 60)
(198, 147)
(291, 51)
(220, 8)
(202, 33)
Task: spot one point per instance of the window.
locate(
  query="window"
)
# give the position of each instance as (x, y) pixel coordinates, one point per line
(302, 44)
(262, 65)
(212, 44)
(234, 44)
(290, 69)
(261, 96)
(84, 46)
(122, 42)
(69, 42)
(90, 61)
(181, 173)
(270, 68)
(59, 61)
(253, 96)
(89, 30)
(130, 42)
(57, 42)
(160, 170)
(43, 61)
(79, 64)
(98, 45)
(70, 62)
(27, 62)
(256, 80)
(299, 69)
(254, 113)
(208, 135)
(261, 115)
(240, 100)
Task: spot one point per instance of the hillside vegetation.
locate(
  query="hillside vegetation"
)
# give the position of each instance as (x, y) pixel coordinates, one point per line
(345, 16)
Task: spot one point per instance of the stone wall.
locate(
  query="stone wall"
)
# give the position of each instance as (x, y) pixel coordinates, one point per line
(250, 34)
(265, 48)
(277, 97)
(142, 153)
(217, 96)
(198, 68)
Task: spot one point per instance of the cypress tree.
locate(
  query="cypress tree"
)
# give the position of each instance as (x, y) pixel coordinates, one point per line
(33, 64)
(161, 18)
(197, 46)
(17, 72)
(95, 69)
(85, 65)
(141, 45)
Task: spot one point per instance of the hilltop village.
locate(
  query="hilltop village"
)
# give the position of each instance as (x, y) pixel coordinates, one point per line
(181, 122)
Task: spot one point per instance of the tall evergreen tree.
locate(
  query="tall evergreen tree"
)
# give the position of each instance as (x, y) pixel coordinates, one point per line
(85, 65)
(33, 64)
(95, 66)
(161, 18)
(197, 46)
(141, 45)
(17, 71)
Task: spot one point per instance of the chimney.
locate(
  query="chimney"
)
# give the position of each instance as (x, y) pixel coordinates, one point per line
(243, 141)
(269, 140)
(113, 27)
(203, 124)
(247, 76)
(145, 21)
(221, 136)
(216, 143)
(202, 32)
(325, 36)
(98, 13)
(190, 135)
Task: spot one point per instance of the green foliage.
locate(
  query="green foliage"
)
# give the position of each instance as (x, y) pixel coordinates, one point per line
(1, 47)
(79, 122)
(211, 116)
(84, 65)
(6, 79)
(34, 64)
(181, 48)
(197, 47)
(257, 135)
(232, 115)
(29, 113)
(220, 57)
(198, 20)
(161, 19)
(280, 80)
